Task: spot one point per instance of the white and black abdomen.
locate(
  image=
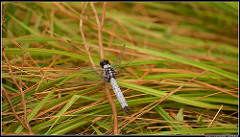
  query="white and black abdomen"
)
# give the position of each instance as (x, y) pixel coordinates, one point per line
(119, 95)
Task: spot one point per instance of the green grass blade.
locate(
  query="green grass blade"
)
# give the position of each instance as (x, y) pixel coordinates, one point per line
(57, 52)
(97, 130)
(180, 115)
(64, 109)
(230, 129)
(174, 98)
(189, 62)
(44, 101)
(17, 99)
(166, 117)
(23, 25)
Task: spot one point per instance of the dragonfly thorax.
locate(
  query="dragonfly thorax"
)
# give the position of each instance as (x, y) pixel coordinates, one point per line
(108, 72)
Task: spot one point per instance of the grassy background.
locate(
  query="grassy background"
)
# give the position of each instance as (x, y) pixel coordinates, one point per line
(189, 49)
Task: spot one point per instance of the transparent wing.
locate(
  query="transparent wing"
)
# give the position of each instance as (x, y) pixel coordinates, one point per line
(119, 70)
(86, 74)
(92, 75)
(117, 62)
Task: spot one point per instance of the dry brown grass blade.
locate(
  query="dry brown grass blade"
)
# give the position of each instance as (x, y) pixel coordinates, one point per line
(115, 126)
(21, 92)
(213, 94)
(126, 31)
(51, 22)
(46, 72)
(3, 14)
(223, 82)
(148, 71)
(83, 36)
(131, 71)
(215, 116)
(100, 26)
(27, 54)
(64, 10)
(215, 87)
(111, 36)
(23, 101)
(50, 109)
(12, 107)
(168, 70)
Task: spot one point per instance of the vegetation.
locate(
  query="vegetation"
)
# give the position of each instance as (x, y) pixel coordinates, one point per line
(182, 78)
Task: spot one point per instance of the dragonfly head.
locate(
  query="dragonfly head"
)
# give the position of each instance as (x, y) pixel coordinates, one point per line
(104, 62)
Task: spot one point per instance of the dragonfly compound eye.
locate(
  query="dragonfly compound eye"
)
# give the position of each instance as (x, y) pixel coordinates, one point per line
(104, 62)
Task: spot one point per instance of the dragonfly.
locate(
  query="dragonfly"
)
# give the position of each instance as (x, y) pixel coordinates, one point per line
(109, 73)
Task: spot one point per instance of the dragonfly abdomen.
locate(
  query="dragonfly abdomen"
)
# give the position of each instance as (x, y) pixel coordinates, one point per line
(119, 95)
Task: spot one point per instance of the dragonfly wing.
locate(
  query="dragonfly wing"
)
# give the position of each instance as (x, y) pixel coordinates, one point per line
(84, 73)
(92, 75)
(117, 61)
(119, 70)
